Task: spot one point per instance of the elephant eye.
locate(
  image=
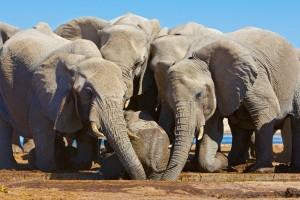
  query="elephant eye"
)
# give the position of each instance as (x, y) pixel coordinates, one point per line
(198, 95)
(89, 91)
(138, 63)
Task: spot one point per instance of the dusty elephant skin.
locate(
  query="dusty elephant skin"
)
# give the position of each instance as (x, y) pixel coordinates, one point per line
(166, 51)
(233, 76)
(150, 143)
(134, 34)
(61, 87)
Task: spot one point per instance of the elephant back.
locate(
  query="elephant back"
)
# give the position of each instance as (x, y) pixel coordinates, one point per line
(276, 57)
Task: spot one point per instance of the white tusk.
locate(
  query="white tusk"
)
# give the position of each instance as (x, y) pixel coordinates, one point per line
(96, 132)
(200, 134)
(126, 103)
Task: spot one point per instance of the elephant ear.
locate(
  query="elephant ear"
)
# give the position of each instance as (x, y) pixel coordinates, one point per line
(43, 27)
(83, 27)
(233, 71)
(55, 85)
(6, 32)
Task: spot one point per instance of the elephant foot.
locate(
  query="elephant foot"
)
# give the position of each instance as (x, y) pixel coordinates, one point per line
(28, 145)
(260, 168)
(235, 162)
(17, 149)
(45, 165)
(8, 164)
(111, 168)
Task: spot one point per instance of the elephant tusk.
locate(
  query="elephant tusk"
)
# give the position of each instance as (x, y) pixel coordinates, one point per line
(96, 132)
(126, 103)
(200, 134)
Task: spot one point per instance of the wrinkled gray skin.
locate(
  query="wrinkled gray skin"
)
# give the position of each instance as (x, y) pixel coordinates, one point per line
(63, 87)
(6, 32)
(150, 142)
(240, 152)
(250, 76)
(125, 41)
(166, 51)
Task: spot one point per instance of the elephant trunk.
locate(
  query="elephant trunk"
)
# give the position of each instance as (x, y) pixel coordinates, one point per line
(184, 134)
(113, 122)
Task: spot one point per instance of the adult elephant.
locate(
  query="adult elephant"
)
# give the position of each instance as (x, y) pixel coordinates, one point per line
(125, 41)
(236, 75)
(167, 50)
(60, 86)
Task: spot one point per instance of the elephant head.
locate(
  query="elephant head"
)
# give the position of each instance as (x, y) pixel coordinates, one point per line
(6, 32)
(83, 93)
(151, 27)
(125, 40)
(217, 75)
(174, 46)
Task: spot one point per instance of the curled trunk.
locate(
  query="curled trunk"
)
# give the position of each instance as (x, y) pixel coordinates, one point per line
(184, 134)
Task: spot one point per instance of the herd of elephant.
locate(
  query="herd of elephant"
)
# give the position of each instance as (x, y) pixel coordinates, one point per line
(150, 92)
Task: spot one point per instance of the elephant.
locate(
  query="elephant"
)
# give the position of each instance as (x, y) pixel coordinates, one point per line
(125, 41)
(6, 32)
(51, 86)
(249, 76)
(167, 50)
(150, 142)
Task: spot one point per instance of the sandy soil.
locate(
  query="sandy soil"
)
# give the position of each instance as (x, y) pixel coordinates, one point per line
(19, 187)
(28, 184)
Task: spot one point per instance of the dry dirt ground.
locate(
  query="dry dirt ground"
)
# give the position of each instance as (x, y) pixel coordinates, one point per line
(28, 184)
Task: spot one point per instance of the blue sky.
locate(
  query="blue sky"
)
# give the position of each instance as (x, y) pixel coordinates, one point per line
(279, 16)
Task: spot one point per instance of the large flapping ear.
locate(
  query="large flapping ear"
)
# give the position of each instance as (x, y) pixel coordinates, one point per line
(233, 71)
(54, 84)
(83, 27)
(6, 32)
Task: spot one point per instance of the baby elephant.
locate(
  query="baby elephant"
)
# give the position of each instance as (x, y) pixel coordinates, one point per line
(150, 142)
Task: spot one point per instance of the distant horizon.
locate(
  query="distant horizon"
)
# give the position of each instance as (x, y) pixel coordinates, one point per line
(282, 17)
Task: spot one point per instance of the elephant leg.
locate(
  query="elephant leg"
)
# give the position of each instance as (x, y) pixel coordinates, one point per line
(112, 168)
(7, 160)
(86, 152)
(241, 139)
(44, 139)
(252, 147)
(295, 161)
(286, 134)
(209, 158)
(16, 144)
(263, 149)
(28, 145)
